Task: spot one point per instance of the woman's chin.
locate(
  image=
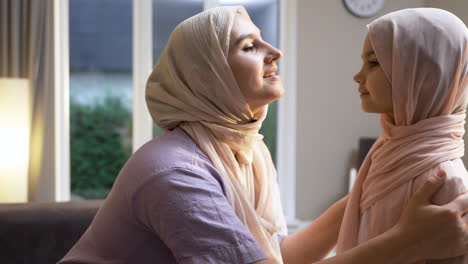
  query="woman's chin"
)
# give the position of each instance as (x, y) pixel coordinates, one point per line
(272, 95)
(278, 92)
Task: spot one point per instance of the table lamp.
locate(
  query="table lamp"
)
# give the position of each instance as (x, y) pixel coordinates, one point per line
(14, 139)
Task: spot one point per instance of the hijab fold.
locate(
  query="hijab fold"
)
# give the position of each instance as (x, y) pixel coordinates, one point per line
(423, 53)
(192, 87)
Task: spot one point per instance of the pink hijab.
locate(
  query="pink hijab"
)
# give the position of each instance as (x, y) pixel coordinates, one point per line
(423, 53)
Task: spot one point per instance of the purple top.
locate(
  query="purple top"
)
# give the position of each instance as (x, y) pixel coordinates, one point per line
(168, 205)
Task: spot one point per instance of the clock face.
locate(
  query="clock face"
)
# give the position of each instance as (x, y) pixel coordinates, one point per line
(364, 8)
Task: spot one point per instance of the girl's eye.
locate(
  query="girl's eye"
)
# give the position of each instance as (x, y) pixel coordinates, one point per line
(373, 63)
(249, 48)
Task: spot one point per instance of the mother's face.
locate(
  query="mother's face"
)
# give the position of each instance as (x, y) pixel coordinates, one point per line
(253, 63)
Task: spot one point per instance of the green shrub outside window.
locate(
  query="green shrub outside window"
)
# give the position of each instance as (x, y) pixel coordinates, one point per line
(100, 145)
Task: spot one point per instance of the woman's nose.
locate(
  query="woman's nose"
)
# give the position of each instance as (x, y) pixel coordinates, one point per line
(273, 55)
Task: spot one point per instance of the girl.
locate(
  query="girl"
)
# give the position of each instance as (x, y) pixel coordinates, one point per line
(414, 74)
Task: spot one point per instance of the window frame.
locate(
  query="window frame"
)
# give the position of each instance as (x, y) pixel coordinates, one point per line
(61, 112)
(142, 124)
(286, 127)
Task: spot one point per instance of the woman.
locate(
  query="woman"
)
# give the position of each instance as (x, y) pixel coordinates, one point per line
(414, 74)
(206, 192)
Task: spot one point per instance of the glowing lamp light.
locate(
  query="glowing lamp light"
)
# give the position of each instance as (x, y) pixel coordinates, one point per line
(14, 139)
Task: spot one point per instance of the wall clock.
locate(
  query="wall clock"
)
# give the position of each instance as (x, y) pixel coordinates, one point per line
(364, 8)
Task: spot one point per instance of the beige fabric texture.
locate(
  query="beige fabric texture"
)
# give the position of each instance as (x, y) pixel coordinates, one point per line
(193, 87)
(423, 53)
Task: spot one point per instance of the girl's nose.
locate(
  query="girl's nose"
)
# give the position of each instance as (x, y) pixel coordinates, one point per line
(358, 77)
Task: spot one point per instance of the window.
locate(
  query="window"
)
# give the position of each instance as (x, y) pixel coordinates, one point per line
(100, 94)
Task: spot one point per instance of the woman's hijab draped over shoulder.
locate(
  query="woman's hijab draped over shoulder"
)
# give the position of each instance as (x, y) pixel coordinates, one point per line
(192, 87)
(423, 53)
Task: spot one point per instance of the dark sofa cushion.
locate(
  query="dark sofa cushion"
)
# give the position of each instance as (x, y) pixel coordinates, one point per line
(43, 232)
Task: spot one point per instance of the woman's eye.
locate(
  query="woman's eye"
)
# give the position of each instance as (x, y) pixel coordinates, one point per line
(249, 48)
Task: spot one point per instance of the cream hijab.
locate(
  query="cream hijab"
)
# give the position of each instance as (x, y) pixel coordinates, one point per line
(423, 53)
(192, 87)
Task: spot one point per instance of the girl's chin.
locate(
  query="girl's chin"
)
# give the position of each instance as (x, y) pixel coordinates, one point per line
(372, 110)
(365, 107)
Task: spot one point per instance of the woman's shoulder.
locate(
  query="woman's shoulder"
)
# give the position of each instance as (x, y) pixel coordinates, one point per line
(173, 150)
(166, 162)
(169, 154)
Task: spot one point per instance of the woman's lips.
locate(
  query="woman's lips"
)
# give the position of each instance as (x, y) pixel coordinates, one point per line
(273, 78)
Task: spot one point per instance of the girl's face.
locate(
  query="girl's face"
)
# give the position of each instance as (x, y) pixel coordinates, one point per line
(374, 88)
(253, 63)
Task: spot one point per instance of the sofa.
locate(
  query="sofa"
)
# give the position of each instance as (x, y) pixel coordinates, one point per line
(42, 232)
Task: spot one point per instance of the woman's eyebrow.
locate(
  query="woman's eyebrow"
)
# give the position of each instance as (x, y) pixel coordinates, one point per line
(247, 36)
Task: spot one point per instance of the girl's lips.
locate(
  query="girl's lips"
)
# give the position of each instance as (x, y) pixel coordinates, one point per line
(363, 92)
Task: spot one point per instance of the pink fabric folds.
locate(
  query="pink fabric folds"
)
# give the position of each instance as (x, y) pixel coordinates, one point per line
(423, 53)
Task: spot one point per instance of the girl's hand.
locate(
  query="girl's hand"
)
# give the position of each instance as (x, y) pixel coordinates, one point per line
(434, 232)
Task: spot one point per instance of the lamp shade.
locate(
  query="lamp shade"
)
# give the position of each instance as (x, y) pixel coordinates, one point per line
(14, 139)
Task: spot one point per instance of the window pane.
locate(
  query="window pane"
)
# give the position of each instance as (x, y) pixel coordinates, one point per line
(100, 94)
(264, 14)
(167, 14)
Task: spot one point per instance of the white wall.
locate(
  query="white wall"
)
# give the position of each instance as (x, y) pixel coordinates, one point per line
(329, 118)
